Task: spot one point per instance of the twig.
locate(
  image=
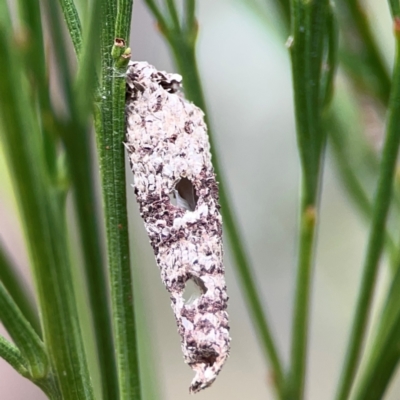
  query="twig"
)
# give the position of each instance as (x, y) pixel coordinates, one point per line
(376, 237)
(15, 285)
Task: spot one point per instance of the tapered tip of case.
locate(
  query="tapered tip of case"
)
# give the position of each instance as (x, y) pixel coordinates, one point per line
(205, 374)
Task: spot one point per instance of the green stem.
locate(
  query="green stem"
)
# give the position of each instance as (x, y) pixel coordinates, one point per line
(312, 29)
(373, 76)
(190, 15)
(123, 19)
(30, 19)
(79, 155)
(352, 183)
(13, 356)
(161, 20)
(306, 55)
(384, 353)
(173, 14)
(330, 60)
(349, 173)
(295, 388)
(23, 335)
(42, 214)
(110, 129)
(89, 230)
(71, 17)
(17, 288)
(376, 237)
(248, 284)
(185, 58)
(120, 271)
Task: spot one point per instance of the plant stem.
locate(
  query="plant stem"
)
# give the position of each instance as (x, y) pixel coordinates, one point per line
(352, 183)
(123, 19)
(376, 237)
(71, 17)
(308, 215)
(42, 214)
(367, 69)
(312, 28)
(121, 274)
(190, 14)
(17, 288)
(384, 353)
(110, 129)
(173, 14)
(77, 141)
(22, 333)
(13, 356)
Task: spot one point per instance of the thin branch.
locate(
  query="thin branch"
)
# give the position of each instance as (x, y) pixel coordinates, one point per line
(161, 20)
(368, 68)
(110, 130)
(310, 34)
(44, 224)
(174, 15)
(29, 343)
(190, 14)
(123, 20)
(13, 356)
(376, 237)
(384, 353)
(76, 138)
(72, 19)
(17, 288)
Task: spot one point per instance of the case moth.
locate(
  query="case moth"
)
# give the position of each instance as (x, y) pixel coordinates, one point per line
(175, 186)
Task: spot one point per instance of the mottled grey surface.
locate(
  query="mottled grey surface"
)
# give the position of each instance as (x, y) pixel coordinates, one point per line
(167, 144)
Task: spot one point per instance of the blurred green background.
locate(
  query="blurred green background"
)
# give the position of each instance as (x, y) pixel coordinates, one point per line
(246, 74)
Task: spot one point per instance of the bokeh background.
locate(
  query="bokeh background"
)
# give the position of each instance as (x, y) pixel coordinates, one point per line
(246, 74)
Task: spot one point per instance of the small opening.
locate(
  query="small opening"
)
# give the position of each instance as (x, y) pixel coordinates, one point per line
(184, 195)
(211, 359)
(194, 288)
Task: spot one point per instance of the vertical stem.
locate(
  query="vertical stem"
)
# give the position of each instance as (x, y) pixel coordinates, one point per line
(308, 215)
(376, 236)
(44, 219)
(79, 155)
(310, 29)
(373, 76)
(173, 14)
(123, 19)
(73, 24)
(110, 129)
(384, 353)
(121, 274)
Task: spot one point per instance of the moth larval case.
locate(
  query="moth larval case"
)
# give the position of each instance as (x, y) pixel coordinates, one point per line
(169, 153)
